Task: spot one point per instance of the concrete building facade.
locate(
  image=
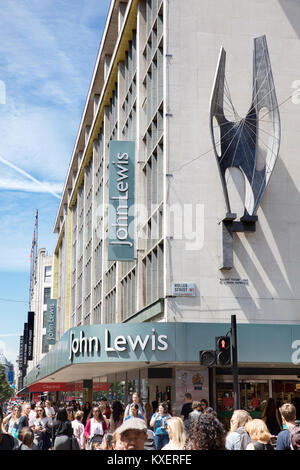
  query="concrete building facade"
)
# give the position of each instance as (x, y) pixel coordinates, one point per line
(42, 290)
(152, 85)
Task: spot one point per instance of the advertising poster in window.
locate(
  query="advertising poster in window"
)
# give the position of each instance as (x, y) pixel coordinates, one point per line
(194, 382)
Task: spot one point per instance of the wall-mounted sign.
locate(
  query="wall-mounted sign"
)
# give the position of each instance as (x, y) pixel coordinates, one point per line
(48, 387)
(25, 346)
(21, 353)
(51, 321)
(30, 322)
(11, 376)
(184, 289)
(121, 201)
(234, 281)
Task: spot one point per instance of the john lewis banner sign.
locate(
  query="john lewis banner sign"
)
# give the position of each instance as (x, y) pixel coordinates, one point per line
(121, 201)
(51, 321)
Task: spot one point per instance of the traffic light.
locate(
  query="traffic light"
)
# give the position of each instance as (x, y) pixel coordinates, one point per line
(207, 358)
(223, 356)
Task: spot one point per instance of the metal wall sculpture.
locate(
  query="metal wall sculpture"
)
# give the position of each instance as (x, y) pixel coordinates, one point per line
(239, 140)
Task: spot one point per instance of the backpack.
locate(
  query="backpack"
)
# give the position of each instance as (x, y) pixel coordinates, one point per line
(244, 438)
(261, 446)
(295, 437)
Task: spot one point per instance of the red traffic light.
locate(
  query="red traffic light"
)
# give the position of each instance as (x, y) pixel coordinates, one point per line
(223, 354)
(222, 343)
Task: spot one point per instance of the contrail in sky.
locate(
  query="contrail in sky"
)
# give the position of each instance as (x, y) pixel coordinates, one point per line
(27, 175)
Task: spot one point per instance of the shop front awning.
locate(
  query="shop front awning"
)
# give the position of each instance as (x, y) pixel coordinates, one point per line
(99, 350)
(24, 391)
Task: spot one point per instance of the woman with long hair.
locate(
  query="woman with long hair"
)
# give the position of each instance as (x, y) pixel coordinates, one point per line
(12, 422)
(95, 427)
(134, 412)
(259, 435)
(87, 411)
(270, 416)
(117, 415)
(207, 434)
(177, 435)
(159, 423)
(41, 429)
(62, 431)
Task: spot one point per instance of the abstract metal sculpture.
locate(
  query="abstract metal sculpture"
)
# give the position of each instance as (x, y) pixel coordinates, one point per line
(239, 142)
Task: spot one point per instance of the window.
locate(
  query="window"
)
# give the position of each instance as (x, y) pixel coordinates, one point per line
(47, 294)
(48, 273)
(45, 346)
(44, 318)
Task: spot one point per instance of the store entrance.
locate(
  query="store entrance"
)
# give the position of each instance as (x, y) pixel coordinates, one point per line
(253, 398)
(287, 392)
(254, 393)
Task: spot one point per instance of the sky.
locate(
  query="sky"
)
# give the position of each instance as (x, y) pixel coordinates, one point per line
(48, 50)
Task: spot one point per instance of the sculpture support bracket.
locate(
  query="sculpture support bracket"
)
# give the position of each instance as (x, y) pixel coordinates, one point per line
(228, 226)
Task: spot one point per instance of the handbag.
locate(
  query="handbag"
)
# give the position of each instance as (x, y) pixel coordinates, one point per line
(74, 444)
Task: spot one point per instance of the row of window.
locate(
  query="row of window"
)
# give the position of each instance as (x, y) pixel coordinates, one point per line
(98, 294)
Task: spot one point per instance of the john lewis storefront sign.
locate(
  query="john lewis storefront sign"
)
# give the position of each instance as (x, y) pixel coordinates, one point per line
(88, 345)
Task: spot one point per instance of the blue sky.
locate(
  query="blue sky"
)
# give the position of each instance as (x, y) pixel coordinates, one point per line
(48, 50)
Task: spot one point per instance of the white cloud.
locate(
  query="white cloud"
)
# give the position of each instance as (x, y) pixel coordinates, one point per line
(34, 184)
(28, 186)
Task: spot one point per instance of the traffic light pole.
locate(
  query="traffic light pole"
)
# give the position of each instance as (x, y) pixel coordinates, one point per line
(235, 370)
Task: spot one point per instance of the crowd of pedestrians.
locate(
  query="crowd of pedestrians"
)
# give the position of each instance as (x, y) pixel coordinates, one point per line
(100, 426)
